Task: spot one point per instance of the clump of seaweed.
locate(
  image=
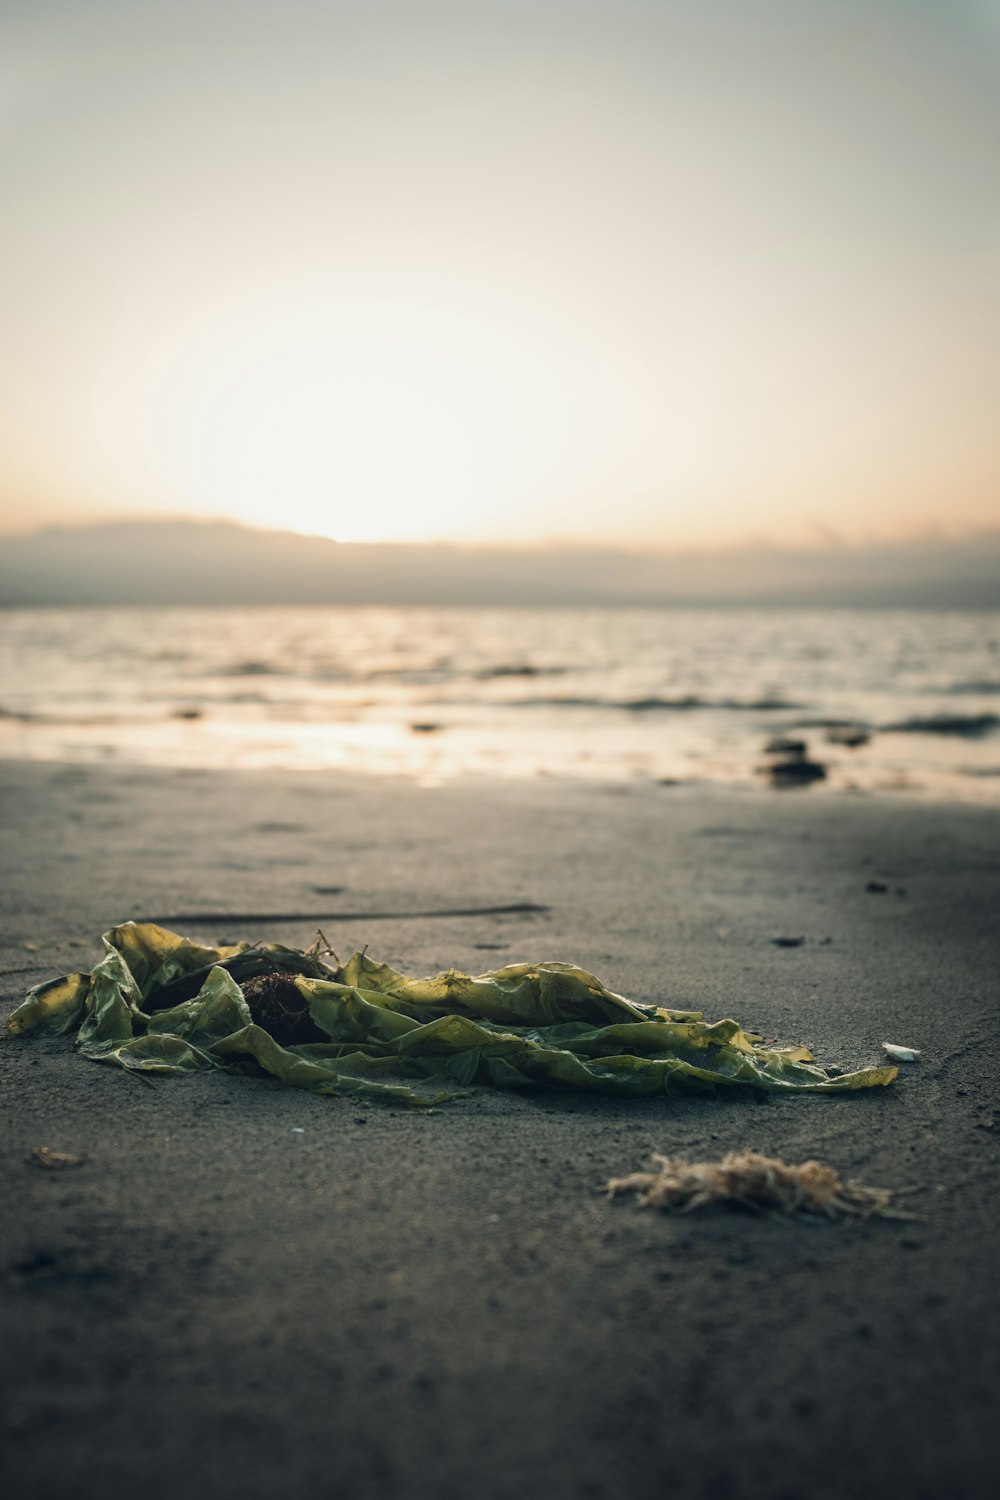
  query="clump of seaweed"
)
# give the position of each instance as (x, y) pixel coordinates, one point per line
(761, 1184)
(278, 1005)
(162, 1002)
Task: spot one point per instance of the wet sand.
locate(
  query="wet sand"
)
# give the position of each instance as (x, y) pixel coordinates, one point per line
(398, 1305)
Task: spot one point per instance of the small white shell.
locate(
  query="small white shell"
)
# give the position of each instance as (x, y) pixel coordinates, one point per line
(900, 1054)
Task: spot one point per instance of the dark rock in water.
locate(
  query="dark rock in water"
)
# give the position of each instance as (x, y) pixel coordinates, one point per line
(796, 771)
(788, 942)
(780, 745)
(877, 887)
(851, 735)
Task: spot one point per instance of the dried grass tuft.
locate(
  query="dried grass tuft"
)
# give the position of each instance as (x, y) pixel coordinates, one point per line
(762, 1184)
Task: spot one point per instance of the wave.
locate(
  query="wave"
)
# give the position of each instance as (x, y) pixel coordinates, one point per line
(68, 721)
(687, 704)
(103, 718)
(965, 726)
(519, 670)
(443, 671)
(985, 686)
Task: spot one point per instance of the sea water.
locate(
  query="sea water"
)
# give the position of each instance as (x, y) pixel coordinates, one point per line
(671, 695)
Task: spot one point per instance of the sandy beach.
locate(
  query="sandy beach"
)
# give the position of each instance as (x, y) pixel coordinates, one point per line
(393, 1304)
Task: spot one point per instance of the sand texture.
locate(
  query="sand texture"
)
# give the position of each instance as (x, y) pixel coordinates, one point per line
(243, 1290)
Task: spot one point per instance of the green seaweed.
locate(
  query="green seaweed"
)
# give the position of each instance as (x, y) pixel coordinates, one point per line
(160, 1003)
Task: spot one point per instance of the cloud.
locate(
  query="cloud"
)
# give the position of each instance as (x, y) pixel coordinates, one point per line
(188, 562)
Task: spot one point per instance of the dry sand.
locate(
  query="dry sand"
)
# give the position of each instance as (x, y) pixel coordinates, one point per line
(399, 1305)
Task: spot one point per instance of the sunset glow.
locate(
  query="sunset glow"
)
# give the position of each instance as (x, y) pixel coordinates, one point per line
(663, 274)
(365, 419)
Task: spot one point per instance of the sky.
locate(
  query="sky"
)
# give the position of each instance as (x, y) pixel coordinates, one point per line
(664, 273)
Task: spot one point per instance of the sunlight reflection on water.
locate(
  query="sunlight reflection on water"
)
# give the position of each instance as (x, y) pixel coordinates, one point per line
(431, 694)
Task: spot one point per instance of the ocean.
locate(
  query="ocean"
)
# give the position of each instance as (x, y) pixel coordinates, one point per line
(897, 701)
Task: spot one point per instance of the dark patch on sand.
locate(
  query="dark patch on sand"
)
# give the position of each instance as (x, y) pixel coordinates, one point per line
(256, 918)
